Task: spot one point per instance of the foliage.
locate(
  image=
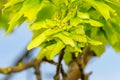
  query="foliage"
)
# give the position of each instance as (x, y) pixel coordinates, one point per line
(3, 19)
(68, 25)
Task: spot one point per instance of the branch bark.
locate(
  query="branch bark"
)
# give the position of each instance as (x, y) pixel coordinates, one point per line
(76, 67)
(21, 66)
(37, 72)
(57, 75)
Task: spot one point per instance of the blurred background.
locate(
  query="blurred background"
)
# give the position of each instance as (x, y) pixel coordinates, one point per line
(106, 67)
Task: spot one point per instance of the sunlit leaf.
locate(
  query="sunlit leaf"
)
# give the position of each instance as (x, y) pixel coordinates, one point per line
(68, 24)
(83, 15)
(65, 39)
(56, 48)
(37, 41)
(93, 42)
(67, 57)
(38, 25)
(11, 3)
(79, 38)
(98, 50)
(103, 8)
(14, 20)
(41, 38)
(95, 23)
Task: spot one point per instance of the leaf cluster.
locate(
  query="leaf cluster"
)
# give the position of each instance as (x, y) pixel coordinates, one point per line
(67, 24)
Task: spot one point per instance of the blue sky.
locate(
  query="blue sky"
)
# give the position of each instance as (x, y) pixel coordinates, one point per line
(107, 67)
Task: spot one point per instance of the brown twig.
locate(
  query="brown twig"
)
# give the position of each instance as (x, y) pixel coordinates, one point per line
(21, 66)
(37, 72)
(50, 61)
(26, 53)
(64, 75)
(57, 75)
(76, 67)
(23, 57)
(79, 63)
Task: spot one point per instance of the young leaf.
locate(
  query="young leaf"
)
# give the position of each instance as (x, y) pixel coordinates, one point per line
(37, 41)
(67, 57)
(68, 17)
(79, 38)
(75, 21)
(31, 11)
(42, 53)
(99, 50)
(56, 49)
(101, 7)
(83, 15)
(51, 50)
(67, 40)
(93, 42)
(10, 3)
(78, 30)
(66, 2)
(50, 23)
(38, 25)
(14, 20)
(42, 37)
(116, 46)
(95, 23)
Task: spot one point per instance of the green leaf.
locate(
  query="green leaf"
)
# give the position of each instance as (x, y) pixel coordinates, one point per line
(95, 23)
(69, 51)
(82, 45)
(68, 17)
(66, 2)
(65, 39)
(14, 20)
(51, 23)
(38, 32)
(38, 40)
(83, 15)
(101, 7)
(99, 50)
(42, 37)
(78, 30)
(38, 25)
(43, 24)
(56, 48)
(67, 58)
(110, 33)
(116, 46)
(99, 35)
(47, 12)
(94, 42)
(68, 54)
(31, 11)
(10, 3)
(3, 22)
(75, 21)
(42, 53)
(51, 50)
(79, 38)
(28, 10)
